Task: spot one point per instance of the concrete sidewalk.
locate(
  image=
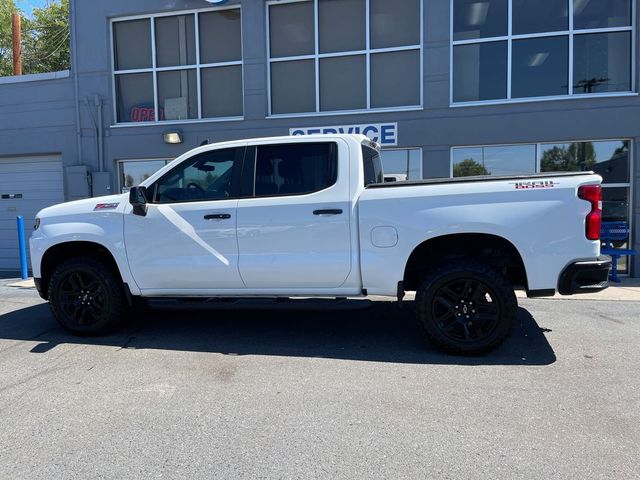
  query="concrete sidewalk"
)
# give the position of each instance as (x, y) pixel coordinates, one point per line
(28, 283)
(627, 290)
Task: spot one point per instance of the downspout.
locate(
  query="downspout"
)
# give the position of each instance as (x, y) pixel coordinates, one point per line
(98, 103)
(74, 69)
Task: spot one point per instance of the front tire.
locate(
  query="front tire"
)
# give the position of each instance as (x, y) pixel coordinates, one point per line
(86, 296)
(466, 307)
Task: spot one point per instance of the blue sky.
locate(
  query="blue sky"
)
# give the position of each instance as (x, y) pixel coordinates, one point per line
(28, 5)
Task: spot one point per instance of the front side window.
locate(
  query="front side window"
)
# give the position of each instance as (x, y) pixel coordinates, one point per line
(344, 55)
(548, 48)
(178, 67)
(295, 169)
(204, 177)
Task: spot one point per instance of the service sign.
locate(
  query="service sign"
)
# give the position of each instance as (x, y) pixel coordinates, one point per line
(386, 134)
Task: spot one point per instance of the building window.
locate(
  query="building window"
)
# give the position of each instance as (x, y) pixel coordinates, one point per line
(494, 160)
(134, 172)
(402, 163)
(608, 158)
(344, 55)
(178, 67)
(519, 49)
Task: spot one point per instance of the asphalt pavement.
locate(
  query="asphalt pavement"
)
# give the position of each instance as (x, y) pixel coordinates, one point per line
(319, 394)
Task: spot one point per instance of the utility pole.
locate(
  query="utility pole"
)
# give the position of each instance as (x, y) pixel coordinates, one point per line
(17, 48)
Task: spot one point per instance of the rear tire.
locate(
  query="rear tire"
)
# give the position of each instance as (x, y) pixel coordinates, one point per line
(466, 307)
(87, 297)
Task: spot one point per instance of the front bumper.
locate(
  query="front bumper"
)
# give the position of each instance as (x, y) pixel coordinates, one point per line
(585, 276)
(38, 284)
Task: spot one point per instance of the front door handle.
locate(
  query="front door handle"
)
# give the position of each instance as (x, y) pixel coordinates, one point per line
(328, 211)
(217, 216)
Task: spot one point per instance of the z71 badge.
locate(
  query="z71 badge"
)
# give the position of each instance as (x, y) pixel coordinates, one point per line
(529, 184)
(106, 206)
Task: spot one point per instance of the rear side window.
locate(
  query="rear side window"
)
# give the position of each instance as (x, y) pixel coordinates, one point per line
(372, 166)
(295, 168)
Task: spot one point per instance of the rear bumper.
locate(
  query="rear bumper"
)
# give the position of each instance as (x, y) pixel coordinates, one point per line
(585, 276)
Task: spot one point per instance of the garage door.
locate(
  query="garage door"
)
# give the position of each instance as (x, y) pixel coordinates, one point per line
(27, 185)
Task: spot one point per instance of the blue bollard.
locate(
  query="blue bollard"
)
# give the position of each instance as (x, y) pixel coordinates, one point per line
(23, 248)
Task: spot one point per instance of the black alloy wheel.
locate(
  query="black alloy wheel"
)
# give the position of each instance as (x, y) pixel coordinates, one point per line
(86, 296)
(83, 298)
(466, 307)
(464, 310)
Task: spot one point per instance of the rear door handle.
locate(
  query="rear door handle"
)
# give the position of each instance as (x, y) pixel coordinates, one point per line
(217, 216)
(328, 211)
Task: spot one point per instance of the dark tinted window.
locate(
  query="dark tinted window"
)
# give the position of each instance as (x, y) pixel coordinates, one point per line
(602, 14)
(372, 166)
(208, 176)
(126, 34)
(540, 16)
(480, 71)
(602, 62)
(540, 67)
(295, 169)
(474, 19)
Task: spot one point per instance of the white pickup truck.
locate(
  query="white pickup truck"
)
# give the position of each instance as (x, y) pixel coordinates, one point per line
(311, 217)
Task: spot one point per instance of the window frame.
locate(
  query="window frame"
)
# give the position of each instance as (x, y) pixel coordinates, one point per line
(154, 69)
(316, 56)
(570, 33)
(251, 165)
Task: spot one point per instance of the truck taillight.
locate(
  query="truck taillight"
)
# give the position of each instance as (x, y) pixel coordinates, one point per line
(592, 194)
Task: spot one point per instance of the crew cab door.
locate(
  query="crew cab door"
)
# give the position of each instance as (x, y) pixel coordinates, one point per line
(294, 229)
(187, 240)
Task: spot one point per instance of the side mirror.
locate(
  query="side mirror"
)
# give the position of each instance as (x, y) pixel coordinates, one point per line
(138, 200)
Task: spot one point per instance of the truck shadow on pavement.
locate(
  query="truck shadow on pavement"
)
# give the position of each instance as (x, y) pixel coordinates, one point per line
(381, 332)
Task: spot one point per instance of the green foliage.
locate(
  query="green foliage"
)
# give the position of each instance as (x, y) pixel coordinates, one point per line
(7, 7)
(45, 38)
(469, 168)
(576, 157)
(624, 148)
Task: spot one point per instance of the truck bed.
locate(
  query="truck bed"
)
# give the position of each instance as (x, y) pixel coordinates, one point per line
(486, 178)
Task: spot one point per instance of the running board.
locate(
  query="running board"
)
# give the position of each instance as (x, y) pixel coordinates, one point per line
(278, 303)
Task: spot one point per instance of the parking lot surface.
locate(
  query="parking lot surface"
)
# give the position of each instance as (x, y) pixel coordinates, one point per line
(319, 394)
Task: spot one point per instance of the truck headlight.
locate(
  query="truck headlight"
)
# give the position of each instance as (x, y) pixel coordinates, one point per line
(37, 224)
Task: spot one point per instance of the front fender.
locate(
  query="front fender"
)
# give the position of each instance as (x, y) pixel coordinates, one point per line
(105, 230)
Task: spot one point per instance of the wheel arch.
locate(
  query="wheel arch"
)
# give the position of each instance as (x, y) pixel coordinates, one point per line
(494, 250)
(60, 252)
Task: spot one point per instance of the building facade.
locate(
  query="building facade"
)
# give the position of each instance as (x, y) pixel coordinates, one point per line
(448, 87)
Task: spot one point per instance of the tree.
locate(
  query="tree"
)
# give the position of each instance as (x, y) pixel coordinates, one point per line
(576, 157)
(624, 148)
(7, 7)
(45, 38)
(128, 180)
(469, 167)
